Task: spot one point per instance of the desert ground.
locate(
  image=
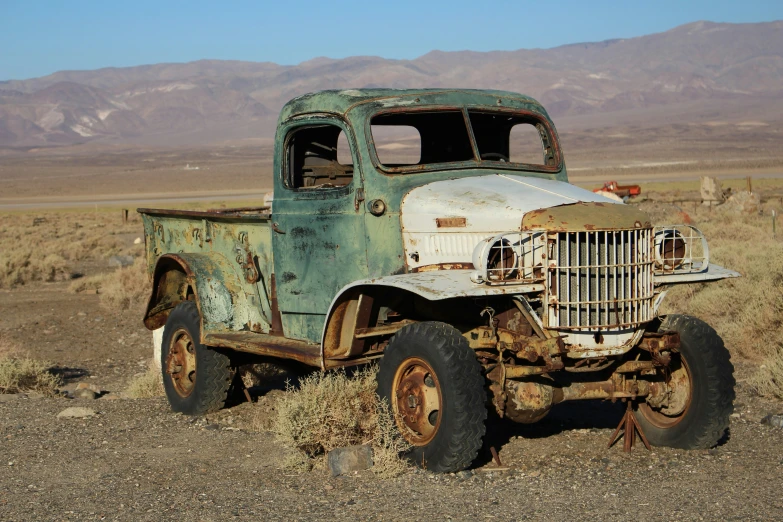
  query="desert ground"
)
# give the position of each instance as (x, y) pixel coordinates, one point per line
(62, 302)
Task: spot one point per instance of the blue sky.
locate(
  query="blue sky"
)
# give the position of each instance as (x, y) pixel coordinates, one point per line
(41, 37)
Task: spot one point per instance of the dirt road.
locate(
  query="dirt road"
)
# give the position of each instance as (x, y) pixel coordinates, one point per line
(136, 200)
(163, 199)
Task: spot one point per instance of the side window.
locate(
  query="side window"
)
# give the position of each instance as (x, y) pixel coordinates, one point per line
(318, 157)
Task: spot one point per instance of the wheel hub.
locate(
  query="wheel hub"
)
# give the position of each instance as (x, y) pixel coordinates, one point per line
(417, 401)
(181, 362)
(671, 408)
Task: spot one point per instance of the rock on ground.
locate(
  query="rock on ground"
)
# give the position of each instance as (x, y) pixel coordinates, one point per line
(85, 393)
(352, 458)
(744, 202)
(76, 412)
(121, 261)
(711, 191)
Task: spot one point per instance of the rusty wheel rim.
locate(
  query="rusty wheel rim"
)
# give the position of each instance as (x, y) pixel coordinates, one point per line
(416, 401)
(181, 362)
(671, 416)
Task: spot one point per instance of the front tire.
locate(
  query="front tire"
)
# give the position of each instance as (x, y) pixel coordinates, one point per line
(434, 385)
(196, 377)
(705, 377)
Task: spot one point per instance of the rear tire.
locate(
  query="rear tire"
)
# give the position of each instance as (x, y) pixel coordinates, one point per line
(196, 377)
(433, 382)
(710, 397)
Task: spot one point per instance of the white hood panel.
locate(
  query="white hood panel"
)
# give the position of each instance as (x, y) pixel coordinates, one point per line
(490, 205)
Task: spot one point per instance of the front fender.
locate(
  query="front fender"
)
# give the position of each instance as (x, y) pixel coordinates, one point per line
(434, 286)
(209, 279)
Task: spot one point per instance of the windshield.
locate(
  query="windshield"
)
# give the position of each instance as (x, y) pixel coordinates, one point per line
(416, 140)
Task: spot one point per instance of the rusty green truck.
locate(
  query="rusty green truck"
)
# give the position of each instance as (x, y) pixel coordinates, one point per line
(435, 232)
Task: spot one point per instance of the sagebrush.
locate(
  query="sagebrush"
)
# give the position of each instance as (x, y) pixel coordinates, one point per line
(50, 246)
(333, 409)
(123, 289)
(146, 385)
(20, 373)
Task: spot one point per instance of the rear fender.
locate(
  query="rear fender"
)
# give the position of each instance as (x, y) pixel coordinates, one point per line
(212, 282)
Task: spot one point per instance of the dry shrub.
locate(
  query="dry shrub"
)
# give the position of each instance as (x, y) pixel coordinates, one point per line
(146, 385)
(47, 246)
(127, 288)
(17, 268)
(332, 410)
(91, 284)
(768, 381)
(20, 373)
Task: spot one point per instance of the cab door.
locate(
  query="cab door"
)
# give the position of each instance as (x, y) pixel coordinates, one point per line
(318, 236)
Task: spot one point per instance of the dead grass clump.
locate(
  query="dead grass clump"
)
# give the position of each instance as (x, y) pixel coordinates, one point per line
(124, 289)
(19, 373)
(332, 410)
(146, 385)
(127, 288)
(18, 268)
(91, 284)
(47, 247)
(768, 381)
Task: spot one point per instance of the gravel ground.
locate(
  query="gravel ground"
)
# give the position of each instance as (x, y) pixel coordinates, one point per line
(136, 460)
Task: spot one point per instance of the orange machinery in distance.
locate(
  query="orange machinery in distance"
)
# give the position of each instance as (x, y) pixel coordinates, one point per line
(621, 190)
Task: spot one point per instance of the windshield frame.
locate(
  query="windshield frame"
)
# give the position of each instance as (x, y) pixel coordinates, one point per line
(476, 162)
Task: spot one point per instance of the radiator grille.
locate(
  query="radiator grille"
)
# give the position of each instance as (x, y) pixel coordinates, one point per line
(602, 279)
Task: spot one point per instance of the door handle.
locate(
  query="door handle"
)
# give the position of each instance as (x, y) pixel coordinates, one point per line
(276, 228)
(358, 198)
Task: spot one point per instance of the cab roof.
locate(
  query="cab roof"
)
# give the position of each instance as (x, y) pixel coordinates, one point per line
(341, 101)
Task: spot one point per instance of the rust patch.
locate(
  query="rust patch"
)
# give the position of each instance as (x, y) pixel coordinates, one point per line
(443, 266)
(576, 217)
(277, 319)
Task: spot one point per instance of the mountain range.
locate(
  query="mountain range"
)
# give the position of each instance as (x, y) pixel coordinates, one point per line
(212, 101)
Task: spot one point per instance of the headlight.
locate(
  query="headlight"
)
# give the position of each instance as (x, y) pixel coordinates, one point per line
(514, 257)
(670, 249)
(680, 249)
(495, 260)
(501, 260)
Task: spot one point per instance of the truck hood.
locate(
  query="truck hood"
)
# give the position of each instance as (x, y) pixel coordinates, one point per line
(488, 204)
(442, 222)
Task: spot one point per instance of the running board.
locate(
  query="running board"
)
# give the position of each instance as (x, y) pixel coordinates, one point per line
(265, 344)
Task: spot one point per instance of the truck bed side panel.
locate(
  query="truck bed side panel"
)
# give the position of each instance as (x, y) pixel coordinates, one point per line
(240, 241)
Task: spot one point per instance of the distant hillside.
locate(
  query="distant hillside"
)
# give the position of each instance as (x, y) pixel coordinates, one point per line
(210, 101)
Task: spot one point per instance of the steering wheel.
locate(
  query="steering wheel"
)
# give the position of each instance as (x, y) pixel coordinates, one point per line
(495, 156)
